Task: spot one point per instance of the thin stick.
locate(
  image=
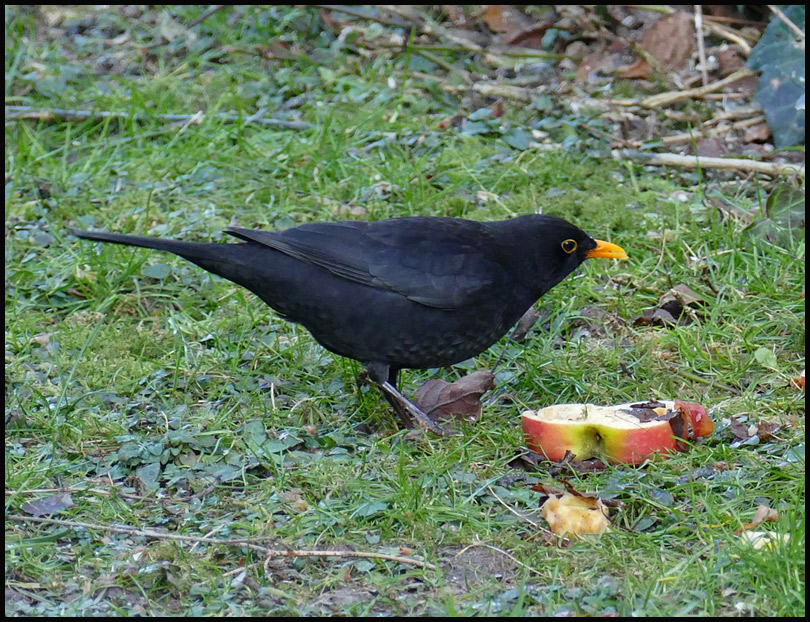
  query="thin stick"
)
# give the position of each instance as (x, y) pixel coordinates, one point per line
(663, 99)
(486, 89)
(796, 30)
(49, 114)
(687, 137)
(385, 21)
(773, 169)
(433, 29)
(727, 33)
(515, 512)
(465, 75)
(632, 144)
(269, 553)
(701, 47)
(496, 549)
(207, 14)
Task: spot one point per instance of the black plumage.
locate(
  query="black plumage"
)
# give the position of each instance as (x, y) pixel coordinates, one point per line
(402, 293)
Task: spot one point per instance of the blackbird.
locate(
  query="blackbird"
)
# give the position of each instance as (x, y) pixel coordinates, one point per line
(417, 292)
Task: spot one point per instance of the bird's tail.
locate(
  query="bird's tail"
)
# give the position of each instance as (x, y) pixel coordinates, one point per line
(226, 260)
(178, 247)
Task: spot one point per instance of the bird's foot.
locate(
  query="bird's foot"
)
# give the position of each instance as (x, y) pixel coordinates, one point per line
(408, 411)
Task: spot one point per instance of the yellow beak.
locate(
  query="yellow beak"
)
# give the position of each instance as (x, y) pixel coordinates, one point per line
(607, 250)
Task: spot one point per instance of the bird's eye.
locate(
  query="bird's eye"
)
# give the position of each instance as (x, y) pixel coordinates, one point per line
(569, 246)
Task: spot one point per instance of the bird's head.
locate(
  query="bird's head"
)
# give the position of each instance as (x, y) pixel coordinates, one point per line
(555, 248)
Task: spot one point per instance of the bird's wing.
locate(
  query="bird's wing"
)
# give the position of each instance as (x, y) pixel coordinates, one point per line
(440, 264)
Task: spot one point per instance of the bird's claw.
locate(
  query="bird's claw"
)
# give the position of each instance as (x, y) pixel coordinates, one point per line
(408, 411)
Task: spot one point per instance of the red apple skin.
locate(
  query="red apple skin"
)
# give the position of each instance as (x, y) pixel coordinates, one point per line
(553, 439)
(635, 446)
(701, 423)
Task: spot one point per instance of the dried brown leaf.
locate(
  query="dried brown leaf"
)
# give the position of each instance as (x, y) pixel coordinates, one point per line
(442, 400)
(525, 324)
(798, 381)
(506, 18)
(671, 40)
(764, 513)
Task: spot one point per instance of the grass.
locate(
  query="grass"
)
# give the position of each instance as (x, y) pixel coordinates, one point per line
(168, 399)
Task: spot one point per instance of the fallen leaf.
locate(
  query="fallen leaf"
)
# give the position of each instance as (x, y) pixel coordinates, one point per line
(442, 400)
(745, 433)
(671, 40)
(506, 18)
(798, 381)
(525, 324)
(757, 133)
(671, 308)
(639, 69)
(764, 513)
(766, 358)
(711, 147)
(738, 429)
(654, 317)
(766, 430)
(52, 504)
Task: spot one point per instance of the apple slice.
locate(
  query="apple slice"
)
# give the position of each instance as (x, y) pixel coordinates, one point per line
(626, 433)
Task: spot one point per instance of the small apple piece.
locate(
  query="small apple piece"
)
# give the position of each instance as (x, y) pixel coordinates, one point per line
(699, 420)
(589, 431)
(574, 514)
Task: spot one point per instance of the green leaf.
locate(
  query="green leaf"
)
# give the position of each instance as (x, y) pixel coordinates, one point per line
(780, 90)
(766, 358)
(157, 271)
(370, 508)
(517, 139)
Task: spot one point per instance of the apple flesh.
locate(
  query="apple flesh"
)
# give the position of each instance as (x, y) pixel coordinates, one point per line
(627, 433)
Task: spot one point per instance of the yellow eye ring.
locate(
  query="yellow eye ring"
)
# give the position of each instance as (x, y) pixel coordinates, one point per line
(569, 246)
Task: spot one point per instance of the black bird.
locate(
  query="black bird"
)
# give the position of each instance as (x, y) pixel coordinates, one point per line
(414, 292)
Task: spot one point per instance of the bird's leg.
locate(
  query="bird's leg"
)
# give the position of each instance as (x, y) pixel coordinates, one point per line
(386, 379)
(393, 380)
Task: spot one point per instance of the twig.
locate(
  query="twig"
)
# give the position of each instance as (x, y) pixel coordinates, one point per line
(207, 14)
(663, 99)
(433, 29)
(773, 169)
(727, 33)
(269, 553)
(632, 144)
(704, 72)
(515, 512)
(385, 21)
(720, 19)
(716, 97)
(496, 549)
(449, 67)
(497, 50)
(495, 90)
(687, 137)
(49, 114)
(796, 30)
